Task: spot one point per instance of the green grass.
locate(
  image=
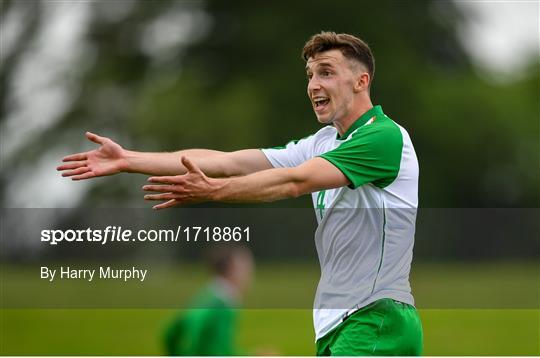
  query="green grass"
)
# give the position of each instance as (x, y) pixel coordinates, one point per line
(487, 309)
(288, 332)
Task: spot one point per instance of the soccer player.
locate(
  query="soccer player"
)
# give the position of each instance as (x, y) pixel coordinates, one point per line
(362, 173)
(208, 327)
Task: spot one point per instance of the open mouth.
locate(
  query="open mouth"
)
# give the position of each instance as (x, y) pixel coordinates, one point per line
(320, 103)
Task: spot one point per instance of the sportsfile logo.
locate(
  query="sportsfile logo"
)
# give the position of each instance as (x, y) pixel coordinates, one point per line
(109, 234)
(119, 234)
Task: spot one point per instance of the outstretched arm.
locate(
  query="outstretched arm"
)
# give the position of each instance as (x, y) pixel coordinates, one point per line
(267, 185)
(110, 158)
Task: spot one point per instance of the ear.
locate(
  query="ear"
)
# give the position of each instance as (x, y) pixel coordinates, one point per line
(362, 82)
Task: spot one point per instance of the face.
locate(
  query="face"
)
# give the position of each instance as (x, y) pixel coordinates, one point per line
(331, 85)
(242, 269)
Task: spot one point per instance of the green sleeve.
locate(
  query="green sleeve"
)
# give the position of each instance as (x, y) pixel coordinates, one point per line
(371, 155)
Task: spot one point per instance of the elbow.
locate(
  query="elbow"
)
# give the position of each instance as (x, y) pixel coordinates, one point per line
(294, 191)
(298, 185)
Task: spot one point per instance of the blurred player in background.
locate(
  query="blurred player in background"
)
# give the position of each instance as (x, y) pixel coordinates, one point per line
(208, 327)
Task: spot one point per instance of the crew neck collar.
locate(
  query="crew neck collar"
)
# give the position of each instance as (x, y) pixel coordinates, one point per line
(372, 112)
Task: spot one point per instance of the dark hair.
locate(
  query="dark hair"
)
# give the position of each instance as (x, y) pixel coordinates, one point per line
(350, 46)
(220, 257)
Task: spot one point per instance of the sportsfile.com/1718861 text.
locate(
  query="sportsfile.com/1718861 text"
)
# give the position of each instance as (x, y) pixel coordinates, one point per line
(118, 234)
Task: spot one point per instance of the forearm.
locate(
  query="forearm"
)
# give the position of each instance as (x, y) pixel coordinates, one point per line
(168, 163)
(279, 183)
(213, 163)
(263, 186)
(260, 186)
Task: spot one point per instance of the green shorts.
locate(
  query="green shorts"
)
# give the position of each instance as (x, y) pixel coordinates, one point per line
(383, 328)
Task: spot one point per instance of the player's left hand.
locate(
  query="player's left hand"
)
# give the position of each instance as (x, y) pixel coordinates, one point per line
(192, 187)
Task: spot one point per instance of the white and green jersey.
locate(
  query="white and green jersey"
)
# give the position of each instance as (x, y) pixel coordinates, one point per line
(366, 230)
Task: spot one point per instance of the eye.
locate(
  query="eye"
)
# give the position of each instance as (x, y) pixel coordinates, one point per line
(325, 73)
(309, 76)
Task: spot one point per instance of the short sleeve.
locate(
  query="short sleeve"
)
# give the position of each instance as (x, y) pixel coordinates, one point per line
(371, 155)
(290, 155)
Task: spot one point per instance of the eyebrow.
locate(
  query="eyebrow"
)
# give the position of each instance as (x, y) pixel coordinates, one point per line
(321, 64)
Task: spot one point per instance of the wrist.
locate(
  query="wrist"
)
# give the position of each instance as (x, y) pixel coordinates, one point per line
(218, 185)
(128, 161)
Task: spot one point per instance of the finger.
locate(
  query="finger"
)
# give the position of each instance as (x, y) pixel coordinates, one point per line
(72, 165)
(169, 204)
(190, 166)
(94, 138)
(86, 175)
(166, 196)
(76, 172)
(78, 156)
(160, 188)
(164, 180)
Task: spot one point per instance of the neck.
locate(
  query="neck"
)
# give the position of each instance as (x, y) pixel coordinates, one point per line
(231, 289)
(343, 124)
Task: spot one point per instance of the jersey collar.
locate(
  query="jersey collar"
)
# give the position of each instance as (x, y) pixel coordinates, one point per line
(373, 112)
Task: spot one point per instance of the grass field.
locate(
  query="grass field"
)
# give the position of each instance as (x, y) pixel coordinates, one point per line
(501, 327)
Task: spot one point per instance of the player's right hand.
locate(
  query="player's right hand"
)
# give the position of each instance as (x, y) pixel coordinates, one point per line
(108, 159)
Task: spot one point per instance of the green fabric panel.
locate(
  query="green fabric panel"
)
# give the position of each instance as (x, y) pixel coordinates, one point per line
(372, 155)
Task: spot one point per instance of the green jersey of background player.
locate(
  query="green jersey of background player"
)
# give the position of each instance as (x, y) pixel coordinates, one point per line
(208, 326)
(362, 173)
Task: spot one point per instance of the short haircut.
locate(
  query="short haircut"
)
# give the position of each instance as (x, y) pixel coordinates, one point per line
(220, 257)
(350, 46)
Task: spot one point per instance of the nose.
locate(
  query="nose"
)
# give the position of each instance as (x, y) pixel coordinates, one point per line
(313, 85)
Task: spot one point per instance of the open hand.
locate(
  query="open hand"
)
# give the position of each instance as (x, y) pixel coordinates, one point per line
(108, 159)
(192, 187)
